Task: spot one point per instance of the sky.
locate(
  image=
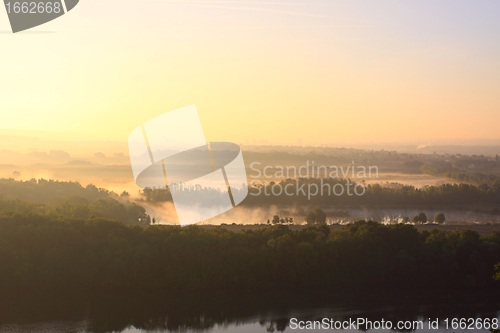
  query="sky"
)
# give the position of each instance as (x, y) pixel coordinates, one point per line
(277, 71)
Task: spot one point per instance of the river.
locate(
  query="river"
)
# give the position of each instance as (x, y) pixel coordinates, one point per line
(248, 313)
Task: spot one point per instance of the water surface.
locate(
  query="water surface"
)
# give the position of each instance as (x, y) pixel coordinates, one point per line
(239, 313)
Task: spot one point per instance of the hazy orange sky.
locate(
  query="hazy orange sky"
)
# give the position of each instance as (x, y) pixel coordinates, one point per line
(320, 71)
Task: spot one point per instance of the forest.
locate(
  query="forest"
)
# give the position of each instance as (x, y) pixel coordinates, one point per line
(78, 238)
(68, 199)
(447, 195)
(60, 253)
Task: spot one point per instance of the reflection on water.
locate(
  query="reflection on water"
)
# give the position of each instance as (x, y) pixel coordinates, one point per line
(226, 313)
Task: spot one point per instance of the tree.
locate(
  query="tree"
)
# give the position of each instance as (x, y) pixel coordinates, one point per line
(137, 213)
(320, 216)
(440, 218)
(310, 218)
(421, 217)
(317, 216)
(110, 209)
(497, 269)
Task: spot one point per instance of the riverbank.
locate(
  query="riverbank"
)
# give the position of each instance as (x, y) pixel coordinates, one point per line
(483, 230)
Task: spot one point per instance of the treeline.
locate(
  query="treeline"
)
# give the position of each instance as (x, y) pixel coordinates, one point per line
(308, 192)
(460, 176)
(375, 195)
(49, 192)
(77, 207)
(48, 252)
(68, 199)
